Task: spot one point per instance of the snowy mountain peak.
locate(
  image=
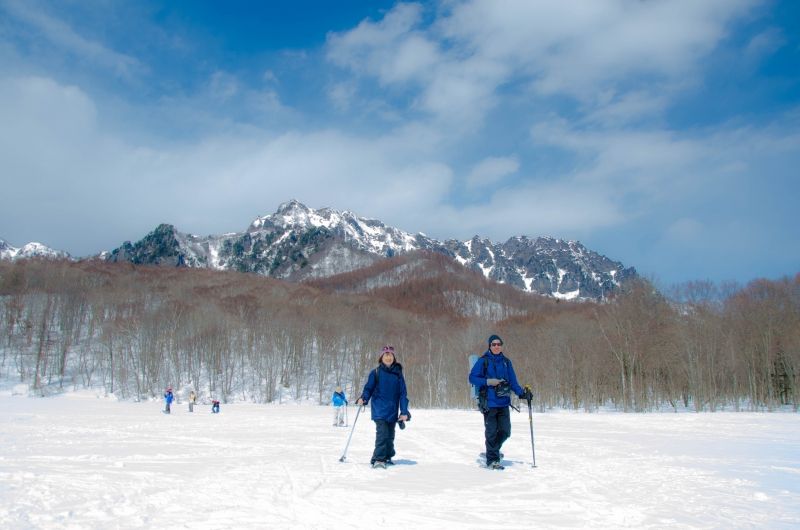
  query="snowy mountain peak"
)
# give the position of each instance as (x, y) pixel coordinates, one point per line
(294, 214)
(30, 250)
(297, 242)
(294, 211)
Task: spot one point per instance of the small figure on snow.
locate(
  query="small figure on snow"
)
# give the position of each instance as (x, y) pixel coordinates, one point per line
(339, 402)
(214, 406)
(192, 400)
(494, 375)
(386, 387)
(168, 398)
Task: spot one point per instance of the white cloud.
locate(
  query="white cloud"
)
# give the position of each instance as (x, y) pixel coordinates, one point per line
(222, 180)
(764, 44)
(490, 171)
(270, 77)
(559, 209)
(342, 95)
(587, 50)
(398, 53)
(60, 164)
(574, 47)
(652, 162)
(630, 108)
(392, 49)
(67, 39)
(685, 230)
(45, 133)
(223, 86)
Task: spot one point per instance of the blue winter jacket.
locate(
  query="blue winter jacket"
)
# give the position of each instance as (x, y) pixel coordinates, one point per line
(498, 367)
(168, 397)
(338, 399)
(386, 392)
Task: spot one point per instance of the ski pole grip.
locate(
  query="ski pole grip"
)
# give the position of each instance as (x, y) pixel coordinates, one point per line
(528, 394)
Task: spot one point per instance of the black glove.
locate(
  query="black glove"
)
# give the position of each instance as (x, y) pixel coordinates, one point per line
(402, 423)
(526, 395)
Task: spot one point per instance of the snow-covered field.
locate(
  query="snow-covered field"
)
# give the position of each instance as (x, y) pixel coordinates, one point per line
(84, 461)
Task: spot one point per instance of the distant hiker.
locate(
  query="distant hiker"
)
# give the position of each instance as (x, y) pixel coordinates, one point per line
(192, 400)
(339, 402)
(168, 398)
(387, 388)
(494, 376)
(214, 406)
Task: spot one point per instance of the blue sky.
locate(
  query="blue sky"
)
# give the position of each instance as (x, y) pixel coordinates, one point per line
(662, 134)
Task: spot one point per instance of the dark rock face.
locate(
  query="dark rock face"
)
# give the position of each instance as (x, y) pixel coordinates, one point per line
(159, 247)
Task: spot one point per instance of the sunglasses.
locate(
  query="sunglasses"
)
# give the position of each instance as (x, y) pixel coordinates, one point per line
(496, 344)
(388, 349)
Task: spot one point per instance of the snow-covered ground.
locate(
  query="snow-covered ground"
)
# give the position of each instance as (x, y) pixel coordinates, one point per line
(83, 461)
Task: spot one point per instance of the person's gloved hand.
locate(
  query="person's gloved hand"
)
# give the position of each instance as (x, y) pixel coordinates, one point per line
(493, 382)
(526, 395)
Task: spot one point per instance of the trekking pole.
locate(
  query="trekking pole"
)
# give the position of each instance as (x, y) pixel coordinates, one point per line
(344, 455)
(528, 398)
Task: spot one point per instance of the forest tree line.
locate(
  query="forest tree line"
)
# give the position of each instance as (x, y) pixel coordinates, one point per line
(134, 330)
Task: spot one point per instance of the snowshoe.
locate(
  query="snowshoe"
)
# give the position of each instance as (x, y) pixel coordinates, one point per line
(495, 465)
(378, 465)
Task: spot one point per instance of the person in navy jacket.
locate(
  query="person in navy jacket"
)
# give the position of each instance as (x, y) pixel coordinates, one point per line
(493, 374)
(386, 391)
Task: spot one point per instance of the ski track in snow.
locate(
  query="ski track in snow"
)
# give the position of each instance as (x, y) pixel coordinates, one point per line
(80, 461)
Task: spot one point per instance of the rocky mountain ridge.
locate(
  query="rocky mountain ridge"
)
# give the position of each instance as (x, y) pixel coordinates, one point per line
(299, 243)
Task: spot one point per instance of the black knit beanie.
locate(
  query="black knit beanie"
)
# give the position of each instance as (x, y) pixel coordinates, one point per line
(494, 338)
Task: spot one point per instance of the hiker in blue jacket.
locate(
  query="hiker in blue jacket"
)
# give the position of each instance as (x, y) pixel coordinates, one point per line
(494, 376)
(339, 402)
(168, 398)
(386, 391)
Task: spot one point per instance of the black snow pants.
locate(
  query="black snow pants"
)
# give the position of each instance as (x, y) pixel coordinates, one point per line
(498, 428)
(384, 441)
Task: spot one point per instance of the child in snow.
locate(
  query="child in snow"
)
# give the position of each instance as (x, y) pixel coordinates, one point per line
(192, 400)
(168, 397)
(214, 406)
(387, 389)
(339, 402)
